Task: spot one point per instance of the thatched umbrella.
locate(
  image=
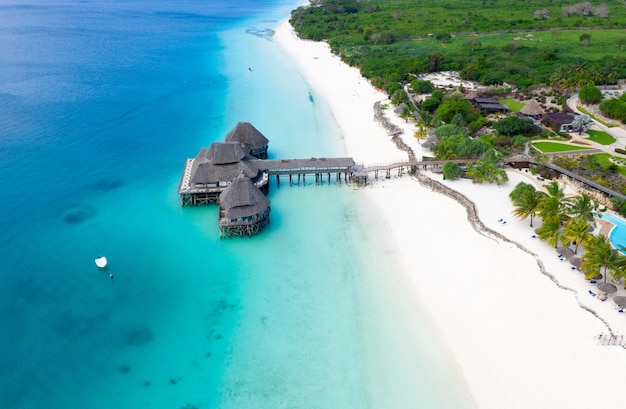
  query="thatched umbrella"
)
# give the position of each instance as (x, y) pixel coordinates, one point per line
(607, 288)
(620, 300)
(565, 252)
(576, 261)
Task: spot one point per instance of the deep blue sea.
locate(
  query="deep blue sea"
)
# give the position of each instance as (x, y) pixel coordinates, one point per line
(101, 102)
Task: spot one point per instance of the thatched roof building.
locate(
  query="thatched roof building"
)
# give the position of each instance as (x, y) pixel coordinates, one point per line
(220, 164)
(250, 137)
(518, 161)
(532, 110)
(470, 96)
(243, 209)
(490, 105)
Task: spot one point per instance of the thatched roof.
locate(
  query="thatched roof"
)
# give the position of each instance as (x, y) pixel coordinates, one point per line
(400, 108)
(456, 94)
(531, 108)
(242, 199)
(430, 141)
(471, 96)
(221, 162)
(519, 157)
(222, 153)
(248, 135)
(206, 173)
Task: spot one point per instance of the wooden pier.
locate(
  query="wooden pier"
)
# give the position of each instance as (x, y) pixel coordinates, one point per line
(319, 167)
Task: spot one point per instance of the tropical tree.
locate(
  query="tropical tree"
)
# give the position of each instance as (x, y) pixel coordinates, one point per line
(452, 170)
(525, 200)
(552, 204)
(582, 123)
(485, 171)
(550, 231)
(576, 231)
(601, 258)
(583, 207)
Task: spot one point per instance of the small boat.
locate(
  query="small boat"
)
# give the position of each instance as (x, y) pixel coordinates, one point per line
(101, 261)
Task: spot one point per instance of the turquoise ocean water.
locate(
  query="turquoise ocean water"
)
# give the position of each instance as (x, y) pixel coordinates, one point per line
(100, 104)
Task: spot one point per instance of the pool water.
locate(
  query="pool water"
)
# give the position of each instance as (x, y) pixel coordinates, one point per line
(618, 233)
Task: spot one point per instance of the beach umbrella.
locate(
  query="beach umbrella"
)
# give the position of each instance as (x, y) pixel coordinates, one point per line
(576, 262)
(620, 300)
(565, 252)
(607, 288)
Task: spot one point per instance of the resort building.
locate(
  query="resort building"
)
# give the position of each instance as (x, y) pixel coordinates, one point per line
(561, 121)
(532, 110)
(490, 105)
(243, 209)
(214, 169)
(253, 140)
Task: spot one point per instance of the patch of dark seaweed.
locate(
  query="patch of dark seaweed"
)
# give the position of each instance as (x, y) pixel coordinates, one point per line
(107, 185)
(124, 369)
(139, 336)
(147, 383)
(79, 214)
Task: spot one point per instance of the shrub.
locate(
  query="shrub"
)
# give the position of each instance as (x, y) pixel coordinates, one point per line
(422, 87)
(513, 125)
(614, 108)
(590, 94)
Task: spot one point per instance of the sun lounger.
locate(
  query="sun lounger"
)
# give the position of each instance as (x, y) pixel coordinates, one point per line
(592, 293)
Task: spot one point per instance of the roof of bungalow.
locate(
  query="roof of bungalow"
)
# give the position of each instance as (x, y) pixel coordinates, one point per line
(247, 134)
(531, 108)
(242, 199)
(561, 118)
(518, 157)
(221, 162)
(483, 100)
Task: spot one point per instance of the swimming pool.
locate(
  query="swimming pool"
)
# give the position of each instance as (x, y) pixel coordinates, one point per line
(618, 234)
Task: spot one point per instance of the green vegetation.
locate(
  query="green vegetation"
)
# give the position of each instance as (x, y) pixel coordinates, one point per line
(615, 108)
(452, 170)
(600, 137)
(590, 94)
(513, 125)
(489, 41)
(550, 147)
(607, 162)
(514, 105)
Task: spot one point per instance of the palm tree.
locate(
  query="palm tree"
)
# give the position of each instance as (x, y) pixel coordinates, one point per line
(560, 77)
(552, 204)
(527, 203)
(601, 258)
(576, 231)
(550, 231)
(584, 207)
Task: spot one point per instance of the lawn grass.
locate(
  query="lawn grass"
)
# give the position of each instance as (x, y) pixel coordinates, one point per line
(550, 147)
(600, 137)
(514, 105)
(584, 111)
(603, 159)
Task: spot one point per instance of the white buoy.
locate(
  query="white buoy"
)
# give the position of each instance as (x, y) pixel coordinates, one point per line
(101, 261)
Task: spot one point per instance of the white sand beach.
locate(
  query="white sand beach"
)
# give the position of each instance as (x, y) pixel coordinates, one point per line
(520, 338)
